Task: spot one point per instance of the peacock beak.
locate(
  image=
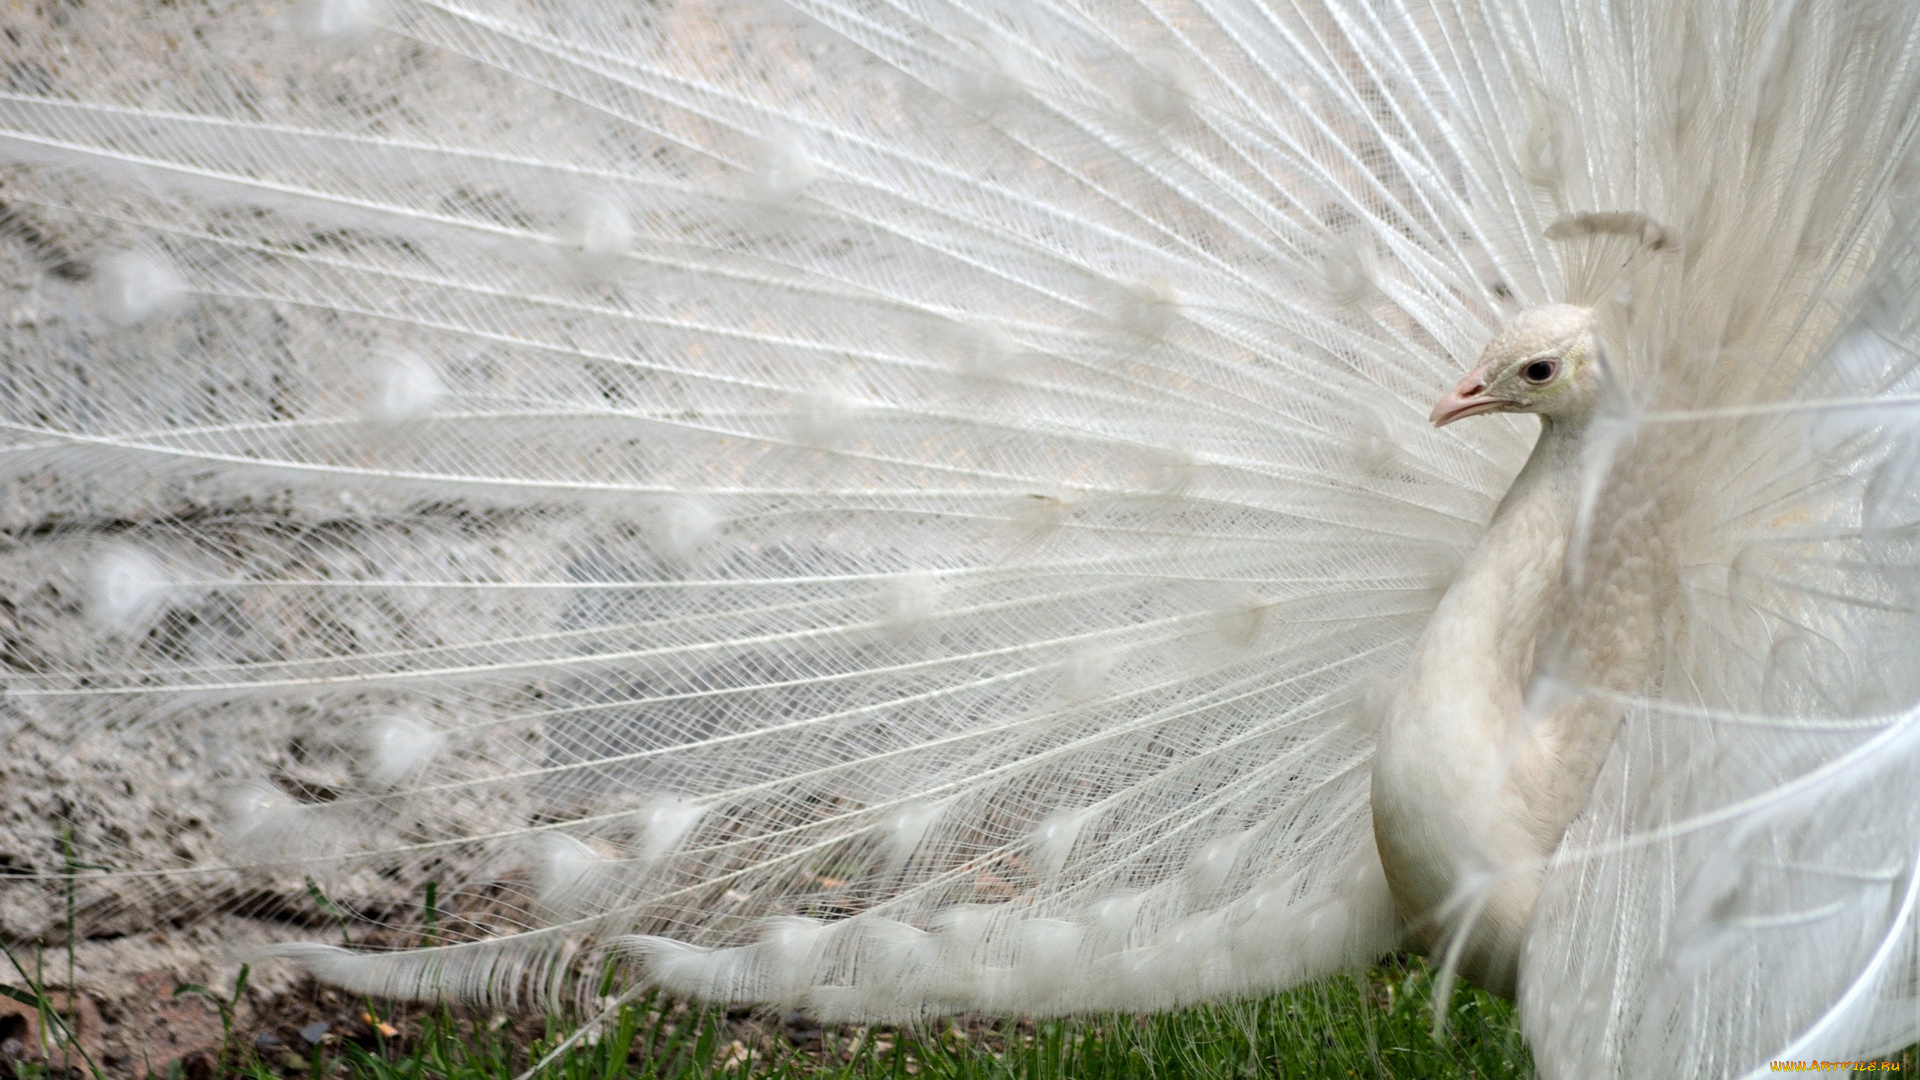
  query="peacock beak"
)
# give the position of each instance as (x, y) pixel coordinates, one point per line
(1470, 398)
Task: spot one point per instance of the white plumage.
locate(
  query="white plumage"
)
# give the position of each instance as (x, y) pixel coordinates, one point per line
(897, 507)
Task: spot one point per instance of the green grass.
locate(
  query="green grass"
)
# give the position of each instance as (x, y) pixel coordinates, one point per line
(1375, 1025)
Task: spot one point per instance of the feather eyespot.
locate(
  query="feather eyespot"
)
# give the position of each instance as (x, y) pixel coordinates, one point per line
(1541, 371)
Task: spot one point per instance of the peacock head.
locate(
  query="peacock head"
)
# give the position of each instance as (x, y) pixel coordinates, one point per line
(1544, 361)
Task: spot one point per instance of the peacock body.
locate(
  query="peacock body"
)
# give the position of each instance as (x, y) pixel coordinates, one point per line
(899, 507)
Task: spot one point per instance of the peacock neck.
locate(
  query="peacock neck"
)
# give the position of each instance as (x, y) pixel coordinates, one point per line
(1467, 798)
(1517, 570)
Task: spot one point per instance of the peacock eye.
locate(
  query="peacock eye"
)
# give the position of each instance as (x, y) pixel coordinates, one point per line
(1541, 371)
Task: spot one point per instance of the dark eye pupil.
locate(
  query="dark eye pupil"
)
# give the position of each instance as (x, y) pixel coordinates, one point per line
(1539, 371)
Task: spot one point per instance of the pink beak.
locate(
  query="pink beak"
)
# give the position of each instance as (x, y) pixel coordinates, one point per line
(1467, 399)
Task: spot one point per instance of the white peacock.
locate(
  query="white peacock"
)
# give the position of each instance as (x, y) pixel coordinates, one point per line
(903, 507)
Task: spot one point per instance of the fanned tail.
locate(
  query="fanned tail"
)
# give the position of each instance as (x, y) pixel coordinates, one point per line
(861, 507)
(900, 508)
